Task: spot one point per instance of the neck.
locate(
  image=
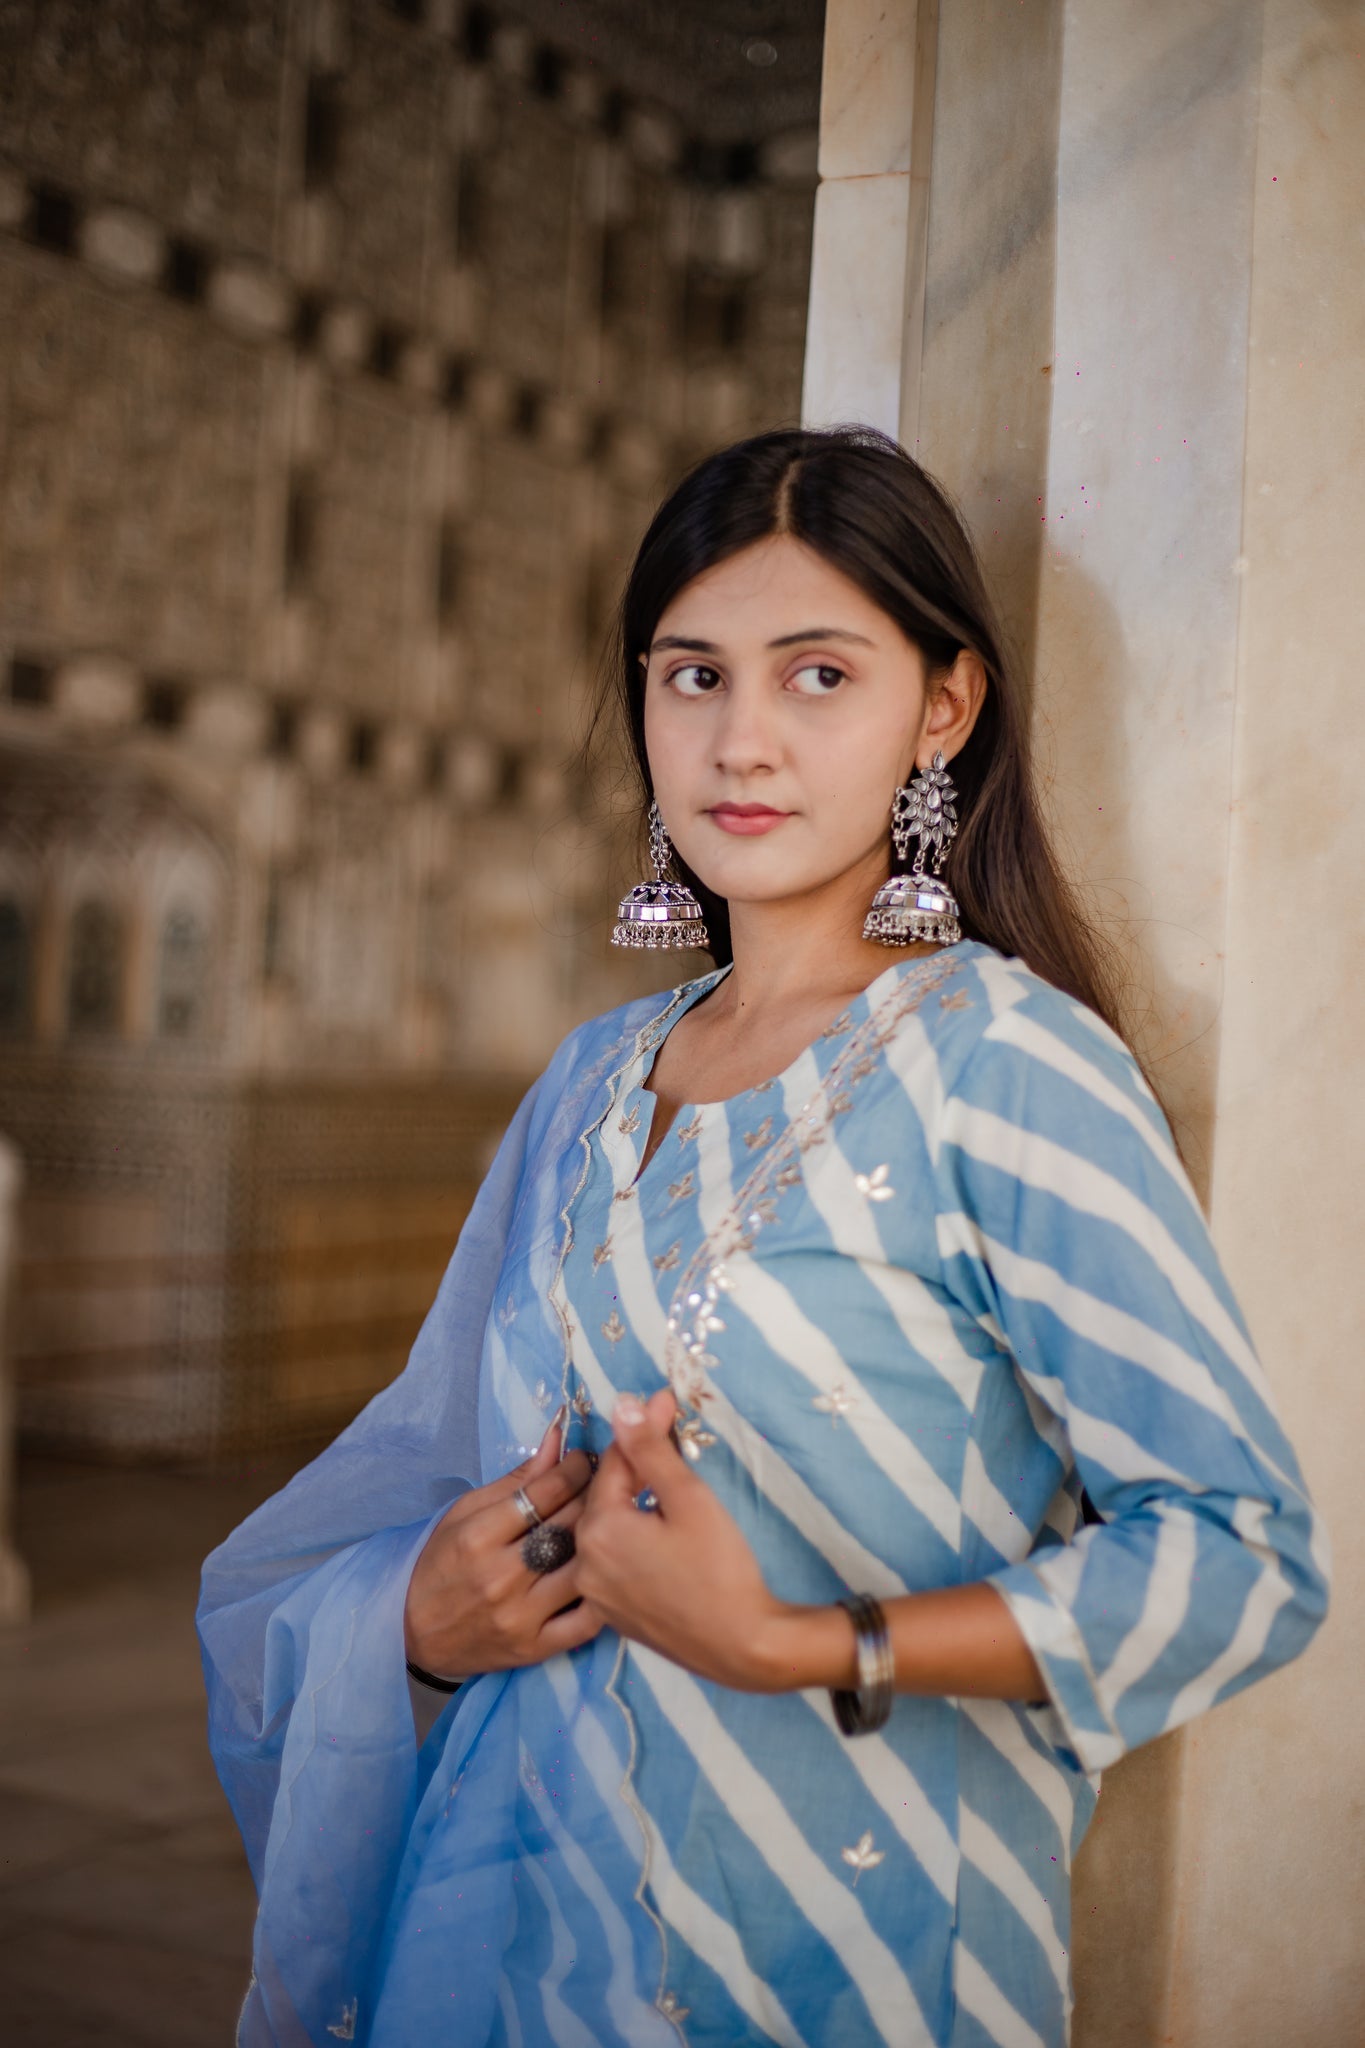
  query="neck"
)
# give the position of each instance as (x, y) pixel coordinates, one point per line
(807, 949)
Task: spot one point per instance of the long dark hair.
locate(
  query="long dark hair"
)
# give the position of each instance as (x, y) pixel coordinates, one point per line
(860, 502)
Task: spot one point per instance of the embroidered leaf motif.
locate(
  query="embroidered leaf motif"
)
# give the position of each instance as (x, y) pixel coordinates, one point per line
(542, 1395)
(623, 1194)
(664, 1262)
(614, 1329)
(668, 2004)
(686, 1132)
(582, 1400)
(601, 1253)
(753, 1139)
(862, 1856)
(957, 1000)
(630, 1124)
(679, 1190)
(507, 1314)
(344, 2028)
(836, 1402)
(839, 1026)
(875, 1185)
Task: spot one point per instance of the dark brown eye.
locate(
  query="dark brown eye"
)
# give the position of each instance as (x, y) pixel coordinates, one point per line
(694, 680)
(820, 679)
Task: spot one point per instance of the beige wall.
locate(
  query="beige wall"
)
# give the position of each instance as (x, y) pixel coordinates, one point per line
(1137, 318)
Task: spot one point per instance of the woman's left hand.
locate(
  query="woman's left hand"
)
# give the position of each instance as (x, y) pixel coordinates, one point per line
(679, 1578)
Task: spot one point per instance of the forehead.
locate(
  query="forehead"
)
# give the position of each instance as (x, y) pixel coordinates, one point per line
(777, 585)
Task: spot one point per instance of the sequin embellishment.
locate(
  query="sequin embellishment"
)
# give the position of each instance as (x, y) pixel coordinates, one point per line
(836, 1402)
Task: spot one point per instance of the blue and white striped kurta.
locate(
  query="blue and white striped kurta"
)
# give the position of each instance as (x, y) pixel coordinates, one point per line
(913, 1295)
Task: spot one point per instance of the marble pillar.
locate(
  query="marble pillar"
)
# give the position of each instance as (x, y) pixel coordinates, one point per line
(1138, 356)
(1272, 1877)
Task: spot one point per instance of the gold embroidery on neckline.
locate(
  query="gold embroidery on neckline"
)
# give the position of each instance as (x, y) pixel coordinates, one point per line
(687, 1355)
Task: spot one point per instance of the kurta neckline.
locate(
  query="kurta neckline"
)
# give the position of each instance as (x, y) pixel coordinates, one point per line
(637, 1105)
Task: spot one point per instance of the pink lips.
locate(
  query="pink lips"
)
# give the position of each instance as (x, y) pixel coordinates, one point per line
(747, 820)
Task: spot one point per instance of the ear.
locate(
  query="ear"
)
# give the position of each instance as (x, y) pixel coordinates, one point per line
(953, 710)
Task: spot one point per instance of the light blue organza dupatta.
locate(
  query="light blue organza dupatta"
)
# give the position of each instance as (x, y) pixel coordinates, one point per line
(301, 1615)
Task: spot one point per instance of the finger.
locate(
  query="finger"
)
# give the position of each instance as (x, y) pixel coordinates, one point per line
(616, 1484)
(551, 1591)
(548, 1492)
(661, 1410)
(567, 1631)
(653, 1456)
(566, 1519)
(542, 1458)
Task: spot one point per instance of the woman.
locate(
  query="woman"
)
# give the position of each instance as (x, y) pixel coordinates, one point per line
(854, 1271)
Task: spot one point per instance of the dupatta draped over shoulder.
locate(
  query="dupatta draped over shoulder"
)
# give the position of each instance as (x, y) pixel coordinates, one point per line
(913, 1295)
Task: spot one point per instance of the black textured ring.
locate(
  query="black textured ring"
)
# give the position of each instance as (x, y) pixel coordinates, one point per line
(546, 1548)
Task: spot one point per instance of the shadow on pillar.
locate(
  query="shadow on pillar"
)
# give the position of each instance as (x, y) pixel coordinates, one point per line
(1124, 1902)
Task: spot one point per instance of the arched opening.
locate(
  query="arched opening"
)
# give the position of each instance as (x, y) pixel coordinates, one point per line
(94, 982)
(181, 974)
(15, 968)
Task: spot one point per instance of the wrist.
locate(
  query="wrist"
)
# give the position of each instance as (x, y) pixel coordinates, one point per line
(801, 1649)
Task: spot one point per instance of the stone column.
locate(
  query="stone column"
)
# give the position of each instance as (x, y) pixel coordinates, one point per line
(14, 1580)
(1271, 1897)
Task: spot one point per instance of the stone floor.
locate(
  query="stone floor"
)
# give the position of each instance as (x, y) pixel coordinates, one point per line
(125, 1905)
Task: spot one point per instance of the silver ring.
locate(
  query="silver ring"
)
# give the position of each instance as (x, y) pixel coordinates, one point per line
(547, 1548)
(527, 1509)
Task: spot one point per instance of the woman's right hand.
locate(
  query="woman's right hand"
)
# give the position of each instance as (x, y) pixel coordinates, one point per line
(472, 1605)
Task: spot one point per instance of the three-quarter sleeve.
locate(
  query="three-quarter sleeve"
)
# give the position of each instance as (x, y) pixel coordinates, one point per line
(1068, 1229)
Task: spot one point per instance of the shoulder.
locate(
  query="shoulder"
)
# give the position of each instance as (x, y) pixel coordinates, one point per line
(989, 1038)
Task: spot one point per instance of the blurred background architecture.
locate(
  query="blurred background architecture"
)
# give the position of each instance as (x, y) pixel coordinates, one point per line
(345, 348)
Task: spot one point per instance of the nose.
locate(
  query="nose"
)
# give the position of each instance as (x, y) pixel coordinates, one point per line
(746, 737)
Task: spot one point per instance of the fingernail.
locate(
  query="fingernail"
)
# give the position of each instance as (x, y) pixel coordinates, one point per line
(629, 1411)
(554, 1423)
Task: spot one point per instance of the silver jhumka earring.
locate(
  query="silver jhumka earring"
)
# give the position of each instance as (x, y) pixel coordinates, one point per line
(919, 905)
(661, 912)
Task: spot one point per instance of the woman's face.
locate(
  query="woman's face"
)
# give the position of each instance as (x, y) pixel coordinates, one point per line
(782, 708)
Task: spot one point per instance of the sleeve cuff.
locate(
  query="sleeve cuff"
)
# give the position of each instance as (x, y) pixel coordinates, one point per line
(1050, 1630)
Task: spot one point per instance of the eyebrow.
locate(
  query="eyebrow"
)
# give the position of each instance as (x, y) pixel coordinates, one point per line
(676, 642)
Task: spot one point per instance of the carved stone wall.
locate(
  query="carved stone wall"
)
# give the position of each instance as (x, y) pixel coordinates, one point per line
(345, 348)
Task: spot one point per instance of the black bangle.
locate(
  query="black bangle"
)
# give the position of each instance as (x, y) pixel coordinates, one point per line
(869, 1708)
(430, 1678)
